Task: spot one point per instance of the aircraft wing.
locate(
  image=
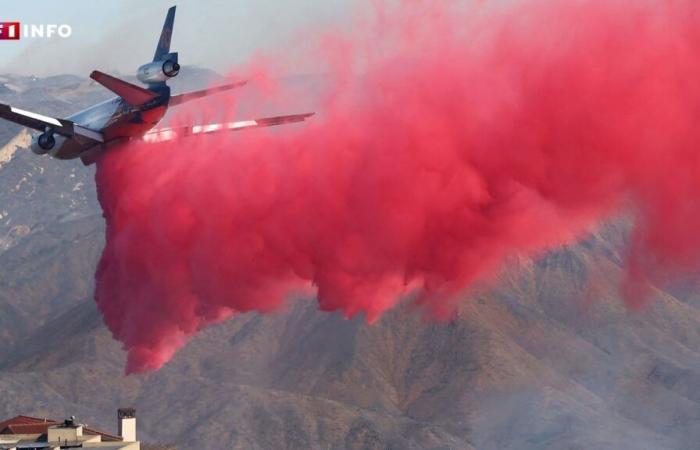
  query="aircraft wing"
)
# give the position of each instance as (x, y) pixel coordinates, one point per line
(32, 120)
(169, 134)
(41, 122)
(182, 98)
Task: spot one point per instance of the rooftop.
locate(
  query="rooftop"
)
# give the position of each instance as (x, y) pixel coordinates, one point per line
(36, 425)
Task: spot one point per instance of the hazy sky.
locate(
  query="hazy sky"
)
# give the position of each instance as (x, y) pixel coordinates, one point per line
(118, 36)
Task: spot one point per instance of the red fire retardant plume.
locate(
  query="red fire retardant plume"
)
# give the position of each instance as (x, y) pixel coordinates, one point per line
(453, 136)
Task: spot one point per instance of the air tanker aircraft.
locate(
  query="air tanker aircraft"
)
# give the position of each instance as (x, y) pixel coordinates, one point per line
(131, 115)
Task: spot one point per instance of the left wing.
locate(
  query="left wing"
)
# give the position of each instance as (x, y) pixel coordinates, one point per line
(41, 122)
(169, 134)
(34, 120)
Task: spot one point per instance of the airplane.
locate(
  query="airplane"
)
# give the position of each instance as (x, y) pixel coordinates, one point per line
(132, 115)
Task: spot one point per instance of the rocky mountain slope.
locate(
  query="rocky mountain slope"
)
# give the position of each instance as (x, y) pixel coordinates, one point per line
(549, 358)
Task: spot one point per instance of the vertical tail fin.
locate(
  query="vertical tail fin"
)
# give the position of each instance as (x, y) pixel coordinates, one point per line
(165, 35)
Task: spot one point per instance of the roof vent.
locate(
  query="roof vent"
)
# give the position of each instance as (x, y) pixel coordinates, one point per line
(126, 413)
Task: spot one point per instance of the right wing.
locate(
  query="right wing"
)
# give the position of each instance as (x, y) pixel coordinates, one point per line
(182, 98)
(41, 123)
(169, 134)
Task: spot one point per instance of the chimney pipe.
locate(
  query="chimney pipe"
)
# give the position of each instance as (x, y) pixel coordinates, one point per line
(127, 424)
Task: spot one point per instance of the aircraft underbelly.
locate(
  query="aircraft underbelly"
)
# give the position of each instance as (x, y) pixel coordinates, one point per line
(135, 126)
(68, 148)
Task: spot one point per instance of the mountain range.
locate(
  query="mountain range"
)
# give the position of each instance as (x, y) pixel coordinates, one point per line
(545, 357)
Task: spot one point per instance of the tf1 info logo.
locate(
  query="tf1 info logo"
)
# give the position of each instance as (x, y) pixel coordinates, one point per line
(13, 31)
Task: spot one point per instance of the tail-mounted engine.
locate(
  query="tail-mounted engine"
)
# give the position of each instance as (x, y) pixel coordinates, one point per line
(159, 71)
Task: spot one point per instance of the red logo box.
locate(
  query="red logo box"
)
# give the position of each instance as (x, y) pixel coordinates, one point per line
(9, 31)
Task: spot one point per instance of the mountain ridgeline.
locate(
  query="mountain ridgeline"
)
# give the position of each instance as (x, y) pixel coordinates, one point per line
(548, 358)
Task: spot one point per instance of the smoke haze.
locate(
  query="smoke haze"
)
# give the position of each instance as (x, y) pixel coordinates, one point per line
(120, 36)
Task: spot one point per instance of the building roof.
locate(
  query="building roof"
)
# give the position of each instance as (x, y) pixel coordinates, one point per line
(106, 437)
(36, 425)
(26, 425)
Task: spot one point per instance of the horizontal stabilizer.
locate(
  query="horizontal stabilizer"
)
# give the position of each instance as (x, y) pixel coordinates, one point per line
(169, 134)
(134, 95)
(182, 98)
